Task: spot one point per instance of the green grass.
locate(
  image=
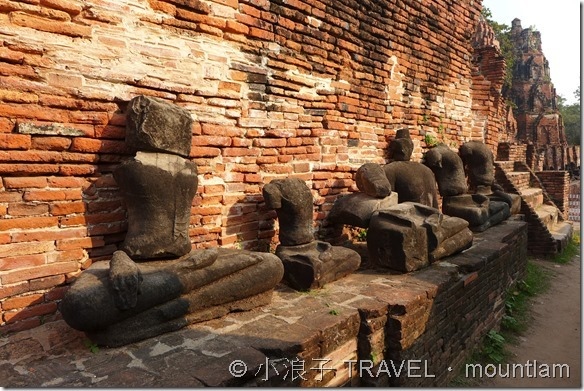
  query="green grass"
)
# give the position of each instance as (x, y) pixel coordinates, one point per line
(570, 251)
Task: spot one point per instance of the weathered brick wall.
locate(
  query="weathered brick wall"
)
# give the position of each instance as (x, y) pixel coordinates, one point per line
(277, 88)
(512, 152)
(494, 120)
(557, 185)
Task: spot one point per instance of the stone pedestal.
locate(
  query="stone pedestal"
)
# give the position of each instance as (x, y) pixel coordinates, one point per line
(312, 265)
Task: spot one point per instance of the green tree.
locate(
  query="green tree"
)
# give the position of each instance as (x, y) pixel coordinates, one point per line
(571, 117)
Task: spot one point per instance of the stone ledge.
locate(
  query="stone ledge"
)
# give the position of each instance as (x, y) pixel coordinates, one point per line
(434, 315)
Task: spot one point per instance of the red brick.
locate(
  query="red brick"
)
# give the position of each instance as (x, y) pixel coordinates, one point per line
(70, 244)
(56, 293)
(22, 301)
(28, 222)
(205, 152)
(19, 169)
(216, 141)
(42, 24)
(46, 283)
(78, 169)
(66, 208)
(38, 271)
(71, 7)
(68, 182)
(236, 27)
(15, 289)
(14, 141)
(89, 145)
(27, 209)
(77, 254)
(50, 143)
(103, 206)
(230, 3)
(37, 310)
(25, 324)
(4, 237)
(25, 182)
(6, 125)
(21, 261)
(52, 195)
(48, 235)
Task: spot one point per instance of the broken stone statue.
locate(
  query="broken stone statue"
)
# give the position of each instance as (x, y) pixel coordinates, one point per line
(479, 165)
(382, 186)
(480, 212)
(308, 263)
(410, 236)
(412, 181)
(156, 283)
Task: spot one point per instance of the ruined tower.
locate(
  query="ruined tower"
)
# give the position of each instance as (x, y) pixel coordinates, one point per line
(539, 122)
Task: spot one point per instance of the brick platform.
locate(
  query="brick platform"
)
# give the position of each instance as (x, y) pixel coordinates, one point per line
(433, 318)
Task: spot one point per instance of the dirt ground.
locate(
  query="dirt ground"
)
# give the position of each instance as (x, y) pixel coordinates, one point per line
(554, 336)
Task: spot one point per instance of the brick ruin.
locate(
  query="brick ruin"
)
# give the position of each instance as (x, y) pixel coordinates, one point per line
(280, 88)
(539, 122)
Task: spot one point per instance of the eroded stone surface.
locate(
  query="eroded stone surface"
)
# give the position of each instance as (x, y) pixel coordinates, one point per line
(477, 209)
(356, 209)
(410, 236)
(158, 189)
(200, 286)
(308, 263)
(158, 126)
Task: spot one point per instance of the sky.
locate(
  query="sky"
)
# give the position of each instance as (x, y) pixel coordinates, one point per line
(558, 21)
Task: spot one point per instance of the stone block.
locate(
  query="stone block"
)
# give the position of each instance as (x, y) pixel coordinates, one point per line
(157, 126)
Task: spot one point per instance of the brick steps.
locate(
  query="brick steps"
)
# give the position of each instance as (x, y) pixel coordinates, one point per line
(547, 233)
(519, 179)
(548, 215)
(533, 196)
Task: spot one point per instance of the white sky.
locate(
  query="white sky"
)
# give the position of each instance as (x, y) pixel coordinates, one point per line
(558, 21)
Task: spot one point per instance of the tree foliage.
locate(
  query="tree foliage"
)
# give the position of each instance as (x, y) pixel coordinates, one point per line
(571, 117)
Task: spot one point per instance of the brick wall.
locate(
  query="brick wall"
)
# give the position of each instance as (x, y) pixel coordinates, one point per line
(557, 185)
(494, 120)
(511, 152)
(277, 89)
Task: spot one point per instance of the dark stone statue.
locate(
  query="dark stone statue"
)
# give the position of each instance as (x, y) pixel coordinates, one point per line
(410, 236)
(155, 126)
(159, 190)
(412, 181)
(479, 165)
(477, 209)
(121, 301)
(356, 209)
(308, 263)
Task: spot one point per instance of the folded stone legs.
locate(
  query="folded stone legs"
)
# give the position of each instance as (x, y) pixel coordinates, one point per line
(202, 285)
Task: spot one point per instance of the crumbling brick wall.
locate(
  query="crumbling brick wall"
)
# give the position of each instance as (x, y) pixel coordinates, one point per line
(276, 88)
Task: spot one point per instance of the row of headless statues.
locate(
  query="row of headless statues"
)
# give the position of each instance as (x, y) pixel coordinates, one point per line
(156, 282)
